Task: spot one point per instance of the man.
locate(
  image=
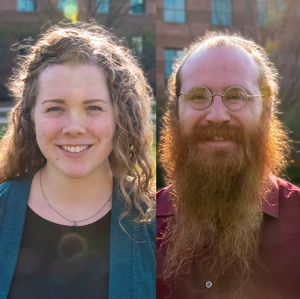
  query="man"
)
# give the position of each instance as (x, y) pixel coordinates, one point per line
(227, 227)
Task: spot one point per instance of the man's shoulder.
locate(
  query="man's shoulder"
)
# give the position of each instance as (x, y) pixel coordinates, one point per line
(288, 198)
(163, 202)
(164, 193)
(287, 189)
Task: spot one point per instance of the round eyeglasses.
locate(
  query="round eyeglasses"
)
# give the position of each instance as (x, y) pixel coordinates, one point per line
(235, 97)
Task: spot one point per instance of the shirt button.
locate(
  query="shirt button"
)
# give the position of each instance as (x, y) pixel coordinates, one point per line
(208, 284)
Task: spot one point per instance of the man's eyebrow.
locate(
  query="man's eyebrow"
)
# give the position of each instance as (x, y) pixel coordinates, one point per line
(59, 101)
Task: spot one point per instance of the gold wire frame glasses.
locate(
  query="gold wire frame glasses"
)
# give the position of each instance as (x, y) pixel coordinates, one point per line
(234, 98)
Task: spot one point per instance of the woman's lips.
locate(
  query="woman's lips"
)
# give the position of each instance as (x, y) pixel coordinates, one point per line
(74, 149)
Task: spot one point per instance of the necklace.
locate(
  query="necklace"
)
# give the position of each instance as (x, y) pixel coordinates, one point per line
(75, 222)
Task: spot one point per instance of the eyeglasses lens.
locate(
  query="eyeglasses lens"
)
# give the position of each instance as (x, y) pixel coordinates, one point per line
(199, 98)
(235, 99)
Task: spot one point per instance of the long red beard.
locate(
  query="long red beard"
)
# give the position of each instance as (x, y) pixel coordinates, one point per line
(218, 194)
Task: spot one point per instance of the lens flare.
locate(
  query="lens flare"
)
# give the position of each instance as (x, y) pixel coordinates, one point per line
(71, 10)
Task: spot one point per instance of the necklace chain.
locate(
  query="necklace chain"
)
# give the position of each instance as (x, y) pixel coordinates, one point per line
(75, 222)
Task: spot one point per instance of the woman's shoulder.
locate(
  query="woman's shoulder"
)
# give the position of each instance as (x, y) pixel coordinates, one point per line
(5, 188)
(18, 184)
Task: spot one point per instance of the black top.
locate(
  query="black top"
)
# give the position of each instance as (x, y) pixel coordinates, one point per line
(58, 261)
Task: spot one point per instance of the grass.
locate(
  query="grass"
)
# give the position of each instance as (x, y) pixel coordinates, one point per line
(154, 139)
(3, 128)
(153, 109)
(154, 133)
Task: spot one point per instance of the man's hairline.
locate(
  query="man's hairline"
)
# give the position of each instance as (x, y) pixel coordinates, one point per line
(178, 73)
(202, 48)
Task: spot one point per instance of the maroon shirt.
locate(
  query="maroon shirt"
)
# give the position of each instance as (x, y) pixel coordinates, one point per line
(279, 275)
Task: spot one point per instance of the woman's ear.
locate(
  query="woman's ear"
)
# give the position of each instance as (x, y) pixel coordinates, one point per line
(32, 120)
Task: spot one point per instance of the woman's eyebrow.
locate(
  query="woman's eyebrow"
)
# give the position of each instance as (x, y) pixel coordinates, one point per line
(93, 101)
(59, 101)
(54, 101)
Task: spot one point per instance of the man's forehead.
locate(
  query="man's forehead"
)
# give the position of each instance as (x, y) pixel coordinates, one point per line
(221, 62)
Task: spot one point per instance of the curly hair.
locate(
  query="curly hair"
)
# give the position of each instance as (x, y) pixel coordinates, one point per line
(131, 96)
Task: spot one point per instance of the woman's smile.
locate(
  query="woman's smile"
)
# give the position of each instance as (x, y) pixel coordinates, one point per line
(74, 149)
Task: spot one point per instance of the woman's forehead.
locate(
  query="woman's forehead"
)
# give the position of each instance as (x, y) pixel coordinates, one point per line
(72, 81)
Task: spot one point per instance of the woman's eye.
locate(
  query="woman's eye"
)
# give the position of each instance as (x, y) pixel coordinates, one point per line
(94, 108)
(53, 109)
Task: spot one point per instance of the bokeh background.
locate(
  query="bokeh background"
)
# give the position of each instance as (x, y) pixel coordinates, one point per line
(273, 24)
(169, 26)
(22, 21)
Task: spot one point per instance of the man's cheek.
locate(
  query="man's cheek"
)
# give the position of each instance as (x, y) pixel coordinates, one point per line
(187, 124)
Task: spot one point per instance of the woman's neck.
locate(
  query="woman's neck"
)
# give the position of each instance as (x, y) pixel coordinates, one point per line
(84, 192)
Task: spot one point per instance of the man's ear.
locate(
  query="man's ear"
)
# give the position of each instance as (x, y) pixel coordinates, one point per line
(269, 103)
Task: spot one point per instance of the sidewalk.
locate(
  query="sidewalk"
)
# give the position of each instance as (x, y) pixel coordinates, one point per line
(5, 109)
(3, 120)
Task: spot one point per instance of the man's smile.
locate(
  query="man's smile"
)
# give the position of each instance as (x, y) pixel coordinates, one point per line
(218, 138)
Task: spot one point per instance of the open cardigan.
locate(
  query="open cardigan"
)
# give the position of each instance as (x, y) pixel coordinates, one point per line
(132, 270)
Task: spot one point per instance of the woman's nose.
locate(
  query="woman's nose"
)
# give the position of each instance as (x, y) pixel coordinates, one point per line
(74, 124)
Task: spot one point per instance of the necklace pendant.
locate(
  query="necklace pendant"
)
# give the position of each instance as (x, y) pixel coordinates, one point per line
(75, 223)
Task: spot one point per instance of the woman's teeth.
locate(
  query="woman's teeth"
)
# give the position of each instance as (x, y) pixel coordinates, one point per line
(75, 149)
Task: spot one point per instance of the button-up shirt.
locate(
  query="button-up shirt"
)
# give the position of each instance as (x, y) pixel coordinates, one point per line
(277, 276)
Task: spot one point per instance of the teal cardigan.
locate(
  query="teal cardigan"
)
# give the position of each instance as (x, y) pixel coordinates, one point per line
(132, 253)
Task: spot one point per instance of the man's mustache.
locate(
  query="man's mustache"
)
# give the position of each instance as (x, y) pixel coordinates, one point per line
(208, 133)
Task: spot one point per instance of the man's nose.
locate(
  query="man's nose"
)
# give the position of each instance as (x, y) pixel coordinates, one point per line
(217, 112)
(74, 124)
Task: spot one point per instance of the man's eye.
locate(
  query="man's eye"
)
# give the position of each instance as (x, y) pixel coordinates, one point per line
(54, 109)
(198, 97)
(94, 108)
(235, 97)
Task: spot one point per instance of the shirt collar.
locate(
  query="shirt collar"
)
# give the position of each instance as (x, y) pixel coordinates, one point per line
(271, 205)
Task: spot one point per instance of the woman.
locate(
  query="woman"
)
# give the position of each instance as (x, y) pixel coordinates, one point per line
(76, 202)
